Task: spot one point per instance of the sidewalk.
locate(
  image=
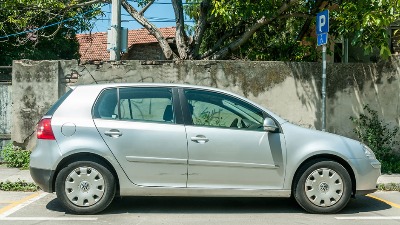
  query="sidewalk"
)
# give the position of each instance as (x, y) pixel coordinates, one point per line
(14, 174)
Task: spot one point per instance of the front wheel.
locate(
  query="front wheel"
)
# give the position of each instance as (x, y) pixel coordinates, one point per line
(85, 187)
(322, 186)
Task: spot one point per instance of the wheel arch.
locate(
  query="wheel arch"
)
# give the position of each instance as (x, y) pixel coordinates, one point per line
(86, 156)
(335, 158)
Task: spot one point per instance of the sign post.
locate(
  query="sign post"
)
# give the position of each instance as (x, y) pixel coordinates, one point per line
(322, 39)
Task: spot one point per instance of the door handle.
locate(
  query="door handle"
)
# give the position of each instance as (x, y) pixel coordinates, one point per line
(201, 139)
(113, 133)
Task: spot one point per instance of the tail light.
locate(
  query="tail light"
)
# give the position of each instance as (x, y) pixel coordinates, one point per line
(44, 130)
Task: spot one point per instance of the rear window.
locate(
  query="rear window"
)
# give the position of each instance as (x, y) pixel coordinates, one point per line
(55, 106)
(150, 104)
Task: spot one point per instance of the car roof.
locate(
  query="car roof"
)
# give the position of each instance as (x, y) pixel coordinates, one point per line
(110, 85)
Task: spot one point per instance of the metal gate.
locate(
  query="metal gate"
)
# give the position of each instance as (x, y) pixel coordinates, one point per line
(5, 105)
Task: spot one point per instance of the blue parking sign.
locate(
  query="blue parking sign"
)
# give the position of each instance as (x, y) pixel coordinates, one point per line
(323, 22)
(322, 39)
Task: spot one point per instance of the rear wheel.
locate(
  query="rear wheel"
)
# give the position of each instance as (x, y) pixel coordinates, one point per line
(85, 187)
(322, 186)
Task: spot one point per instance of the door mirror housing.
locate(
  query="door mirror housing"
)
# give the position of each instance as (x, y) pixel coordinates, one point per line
(269, 125)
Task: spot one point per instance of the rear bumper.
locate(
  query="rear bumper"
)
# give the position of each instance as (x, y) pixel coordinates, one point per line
(43, 178)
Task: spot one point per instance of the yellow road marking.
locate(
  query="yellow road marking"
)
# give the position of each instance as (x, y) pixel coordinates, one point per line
(385, 201)
(14, 204)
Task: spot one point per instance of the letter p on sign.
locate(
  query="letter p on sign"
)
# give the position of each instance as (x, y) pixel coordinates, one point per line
(323, 22)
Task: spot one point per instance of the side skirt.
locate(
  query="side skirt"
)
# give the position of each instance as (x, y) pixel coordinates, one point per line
(202, 192)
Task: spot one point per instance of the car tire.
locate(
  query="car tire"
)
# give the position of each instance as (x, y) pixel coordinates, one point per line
(322, 186)
(85, 187)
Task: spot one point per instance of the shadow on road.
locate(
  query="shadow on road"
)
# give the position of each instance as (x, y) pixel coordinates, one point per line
(199, 205)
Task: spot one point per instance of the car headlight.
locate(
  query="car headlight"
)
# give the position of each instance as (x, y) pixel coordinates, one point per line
(368, 152)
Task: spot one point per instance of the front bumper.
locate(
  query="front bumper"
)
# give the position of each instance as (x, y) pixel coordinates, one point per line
(43, 178)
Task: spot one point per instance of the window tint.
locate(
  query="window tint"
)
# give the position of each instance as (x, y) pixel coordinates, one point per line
(106, 106)
(139, 104)
(219, 110)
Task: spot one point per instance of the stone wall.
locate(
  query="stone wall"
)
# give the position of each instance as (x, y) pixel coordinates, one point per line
(291, 90)
(151, 51)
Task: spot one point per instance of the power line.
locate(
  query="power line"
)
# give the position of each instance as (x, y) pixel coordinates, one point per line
(46, 26)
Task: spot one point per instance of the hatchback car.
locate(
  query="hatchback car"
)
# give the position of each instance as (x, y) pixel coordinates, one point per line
(101, 141)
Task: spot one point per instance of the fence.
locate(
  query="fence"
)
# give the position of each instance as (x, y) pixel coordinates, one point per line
(5, 106)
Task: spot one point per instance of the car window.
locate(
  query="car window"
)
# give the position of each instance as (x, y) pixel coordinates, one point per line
(220, 110)
(106, 106)
(146, 104)
(138, 104)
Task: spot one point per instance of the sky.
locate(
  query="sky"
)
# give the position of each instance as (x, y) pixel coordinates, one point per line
(161, 14)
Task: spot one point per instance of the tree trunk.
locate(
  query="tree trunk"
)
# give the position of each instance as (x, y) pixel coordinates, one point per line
(168, 53)
(200, 28)
(180, 29)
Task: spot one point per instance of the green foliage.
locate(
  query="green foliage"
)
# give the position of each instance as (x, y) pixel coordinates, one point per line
(18, 186)
(378, 135)
(15, 156)
(366, 23)
(389, 187)
(290, 35)
(52, 42)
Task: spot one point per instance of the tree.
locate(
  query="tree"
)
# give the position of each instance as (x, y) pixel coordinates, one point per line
(260, 29)
(263, 28)
(42, 29)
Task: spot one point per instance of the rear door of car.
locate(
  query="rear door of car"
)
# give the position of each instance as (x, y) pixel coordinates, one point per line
(143, 128)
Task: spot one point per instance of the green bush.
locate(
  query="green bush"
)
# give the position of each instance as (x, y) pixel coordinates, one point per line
(389, 187)
(378, 135)
(18, 186)
(15, 156)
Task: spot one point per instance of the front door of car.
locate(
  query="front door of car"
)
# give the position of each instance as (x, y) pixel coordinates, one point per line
(227, 145)
(140, 127)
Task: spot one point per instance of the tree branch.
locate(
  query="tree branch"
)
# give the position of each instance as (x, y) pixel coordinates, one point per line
(307, 23)
(218, 44)
(250, 31)
(200, 28)
(308, 16)
(180, 29)
(168, 53)
(86, 3)
(146, 7)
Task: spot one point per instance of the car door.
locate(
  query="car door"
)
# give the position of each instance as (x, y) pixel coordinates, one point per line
(140, 126)
(227, 145)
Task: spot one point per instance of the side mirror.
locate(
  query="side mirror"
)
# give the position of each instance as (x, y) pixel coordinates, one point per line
(269, 125)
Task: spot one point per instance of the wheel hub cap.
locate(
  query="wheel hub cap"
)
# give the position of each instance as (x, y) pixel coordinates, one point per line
(84, 186)
(324, 187)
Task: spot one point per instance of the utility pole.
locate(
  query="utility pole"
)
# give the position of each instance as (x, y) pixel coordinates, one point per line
(322, 39)
(115, 50)
(323, 88)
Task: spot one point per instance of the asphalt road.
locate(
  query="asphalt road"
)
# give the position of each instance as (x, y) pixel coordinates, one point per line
(43, 208)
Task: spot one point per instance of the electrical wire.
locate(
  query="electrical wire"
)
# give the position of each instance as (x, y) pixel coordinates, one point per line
(46, 26)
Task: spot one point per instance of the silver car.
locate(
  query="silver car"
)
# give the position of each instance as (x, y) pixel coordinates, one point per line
(102, 141)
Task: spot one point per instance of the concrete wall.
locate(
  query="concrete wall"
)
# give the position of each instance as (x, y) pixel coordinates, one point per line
(35, 87)
(291, 90)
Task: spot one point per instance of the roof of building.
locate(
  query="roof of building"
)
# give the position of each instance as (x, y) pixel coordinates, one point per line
(94, 46)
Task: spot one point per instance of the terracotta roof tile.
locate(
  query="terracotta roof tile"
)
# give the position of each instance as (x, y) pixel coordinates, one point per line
(94, 46)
